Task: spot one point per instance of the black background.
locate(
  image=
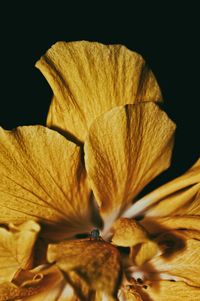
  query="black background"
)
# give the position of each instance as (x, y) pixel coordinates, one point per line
(166, 36)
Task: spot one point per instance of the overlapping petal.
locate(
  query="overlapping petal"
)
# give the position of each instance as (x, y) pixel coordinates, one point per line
(163, 224)
(125, 149)
(170, 291)
(129, 294)
(104, 96)
(89, 79)
(179, 196)
(181, 256)
(128, 233)
(46, 285)
(16, 248)
(42, 178)
(95, 261)
(175, 205)
(145, 252)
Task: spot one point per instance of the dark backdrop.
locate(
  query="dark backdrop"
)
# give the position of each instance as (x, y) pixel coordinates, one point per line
(166, 36)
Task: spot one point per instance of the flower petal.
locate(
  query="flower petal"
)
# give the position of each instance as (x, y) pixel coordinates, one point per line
(89, 79)
(125, 149)
(181, 257)
(42, 178)
(184, 201)
(96, 261)
(44, 288)
(129, 294)
(145, 252)
(163, 224)
(167, 290)
(128, 233)
(16, 248)
(193, 207)
(167, 199)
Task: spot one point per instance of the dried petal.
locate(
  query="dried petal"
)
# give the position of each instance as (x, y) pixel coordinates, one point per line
(145, 252)
(128, 233)
(125, 149)
(46, 289)
(184, 201)
(96, 261)
(167, 199)
(163, 224)
(129, 294)
(42, 178)
(16, 248)
(89, 79)
(181, 257)
(167, 290)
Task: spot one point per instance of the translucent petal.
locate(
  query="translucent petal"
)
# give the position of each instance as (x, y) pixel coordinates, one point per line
(125, 149)
(89, 79)
(42, 178)
(170, 291)
(181, 256)
(16, 248)
(170, 197)
(127, 233)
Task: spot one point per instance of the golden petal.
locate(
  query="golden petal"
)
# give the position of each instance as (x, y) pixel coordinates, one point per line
(125, 149)
(181, 257)
(16, 248)
(170, 291)
(193, 207)
(46, 288)
(81, 289)
(163, 224)
(129, 294)
(100, 296)
(177, 203)
(128, 233)
(145, 252)
(171, 197)
(67, 294)
(89, 79)
(42, 178)
(96, 261)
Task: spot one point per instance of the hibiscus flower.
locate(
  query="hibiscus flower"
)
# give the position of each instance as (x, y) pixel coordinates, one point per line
(72, 224)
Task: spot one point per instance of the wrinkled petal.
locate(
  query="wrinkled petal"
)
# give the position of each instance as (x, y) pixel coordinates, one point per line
(181, 256)
(129, 294)
(81, 289)
(96, 261)
(16, 248)
(125, 149)
(128, 233)
(145, 252)
(89, 79)
(186, 201)
(193, 207)
(167, 199)
(170, 291)
(45, 286)
(163, 224)
(42, 178)
(177, 207)
(58, 290)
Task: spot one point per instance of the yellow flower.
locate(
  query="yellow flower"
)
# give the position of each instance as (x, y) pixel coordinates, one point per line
(55, 189)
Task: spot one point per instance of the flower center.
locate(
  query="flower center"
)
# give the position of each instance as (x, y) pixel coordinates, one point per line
(95, 234)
